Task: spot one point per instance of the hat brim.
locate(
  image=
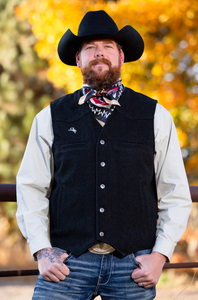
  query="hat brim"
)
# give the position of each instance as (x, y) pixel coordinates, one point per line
(130, 40)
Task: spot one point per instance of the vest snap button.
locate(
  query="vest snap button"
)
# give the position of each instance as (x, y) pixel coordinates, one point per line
(102, 164)
(102, 142)
(102, 186)
(101, 233)
(102, 209)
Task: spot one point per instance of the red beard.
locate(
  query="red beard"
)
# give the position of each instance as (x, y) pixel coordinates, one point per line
(104, 80)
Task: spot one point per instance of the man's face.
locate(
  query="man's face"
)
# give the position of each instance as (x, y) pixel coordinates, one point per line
(98, 59)
(98, 49)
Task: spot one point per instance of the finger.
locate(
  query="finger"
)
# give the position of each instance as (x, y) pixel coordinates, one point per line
(146, 285)
(139, 278)
(64, 269)
(59, 271)
(142, 284)
(50, 278)
(53, 278)
(59, 275)
(137, 273)
(47, 278)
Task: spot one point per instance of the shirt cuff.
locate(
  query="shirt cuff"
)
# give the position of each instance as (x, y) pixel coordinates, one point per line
(38, 243)
(164, 247)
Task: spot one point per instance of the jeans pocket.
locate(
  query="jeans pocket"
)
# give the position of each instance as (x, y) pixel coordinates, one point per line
(68, 258)
(133, 260)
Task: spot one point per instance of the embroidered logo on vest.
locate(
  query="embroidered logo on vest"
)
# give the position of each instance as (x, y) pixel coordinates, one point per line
(72, 129)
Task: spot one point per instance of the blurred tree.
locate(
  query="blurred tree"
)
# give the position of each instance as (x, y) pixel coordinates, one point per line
(24, 90)
(168, 70)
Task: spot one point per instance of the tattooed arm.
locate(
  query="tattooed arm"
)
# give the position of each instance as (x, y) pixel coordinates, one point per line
(50, 264)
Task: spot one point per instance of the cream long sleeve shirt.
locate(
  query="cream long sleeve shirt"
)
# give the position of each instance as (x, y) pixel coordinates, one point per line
(35, 178)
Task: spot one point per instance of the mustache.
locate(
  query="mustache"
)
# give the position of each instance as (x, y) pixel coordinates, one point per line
(98, 60)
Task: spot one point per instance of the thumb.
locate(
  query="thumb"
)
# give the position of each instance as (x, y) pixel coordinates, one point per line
(64, 256)
(139, 260)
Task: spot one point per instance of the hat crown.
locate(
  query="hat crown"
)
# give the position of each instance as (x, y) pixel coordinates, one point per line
(97, 22)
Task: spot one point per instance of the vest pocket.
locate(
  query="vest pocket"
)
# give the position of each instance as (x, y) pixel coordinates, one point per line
(69, 160)
(131, 144)
(69, 146)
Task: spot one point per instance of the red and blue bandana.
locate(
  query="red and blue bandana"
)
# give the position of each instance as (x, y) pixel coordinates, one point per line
(102, 103)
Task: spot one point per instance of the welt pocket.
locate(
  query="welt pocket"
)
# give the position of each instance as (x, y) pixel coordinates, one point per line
(65, 146)
(131, 144)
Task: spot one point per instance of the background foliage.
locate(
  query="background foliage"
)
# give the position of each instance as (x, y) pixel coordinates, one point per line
(32, 74)
(24, 90)
(168, 70)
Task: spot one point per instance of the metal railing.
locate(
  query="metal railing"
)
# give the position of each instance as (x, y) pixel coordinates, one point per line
(8, 194)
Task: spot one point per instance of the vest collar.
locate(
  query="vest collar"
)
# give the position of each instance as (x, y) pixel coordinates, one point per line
(129, 107)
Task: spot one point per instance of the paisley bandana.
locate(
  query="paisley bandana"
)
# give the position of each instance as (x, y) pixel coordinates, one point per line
(102, 103)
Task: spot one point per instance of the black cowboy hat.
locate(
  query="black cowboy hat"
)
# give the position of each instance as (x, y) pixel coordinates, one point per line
(99, 25)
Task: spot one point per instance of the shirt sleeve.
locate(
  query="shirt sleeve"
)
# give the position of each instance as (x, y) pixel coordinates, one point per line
(34, 181)
(172, 186)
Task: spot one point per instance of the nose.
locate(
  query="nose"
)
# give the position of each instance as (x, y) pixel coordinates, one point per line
(99, 52)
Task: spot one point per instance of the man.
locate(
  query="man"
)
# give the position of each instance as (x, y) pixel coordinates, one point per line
(106, 162)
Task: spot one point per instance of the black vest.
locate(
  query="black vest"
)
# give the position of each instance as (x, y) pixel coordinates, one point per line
(104, 185)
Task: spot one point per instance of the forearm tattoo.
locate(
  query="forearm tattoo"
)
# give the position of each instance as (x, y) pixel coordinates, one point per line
(54, 255)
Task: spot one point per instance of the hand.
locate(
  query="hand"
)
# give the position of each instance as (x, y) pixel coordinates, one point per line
(150, 269)
(50, 264)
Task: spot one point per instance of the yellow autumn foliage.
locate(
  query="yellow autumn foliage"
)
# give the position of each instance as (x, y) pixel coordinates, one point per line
(183, 138)
(168, 69)
(165, 26)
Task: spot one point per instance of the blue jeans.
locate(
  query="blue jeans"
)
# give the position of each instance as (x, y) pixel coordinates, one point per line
(93, 274)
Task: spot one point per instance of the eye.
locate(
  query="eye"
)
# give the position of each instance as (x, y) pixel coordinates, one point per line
(89, 47)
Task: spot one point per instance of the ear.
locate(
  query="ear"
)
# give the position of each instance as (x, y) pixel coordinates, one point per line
(122, 57)
(78, 59)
